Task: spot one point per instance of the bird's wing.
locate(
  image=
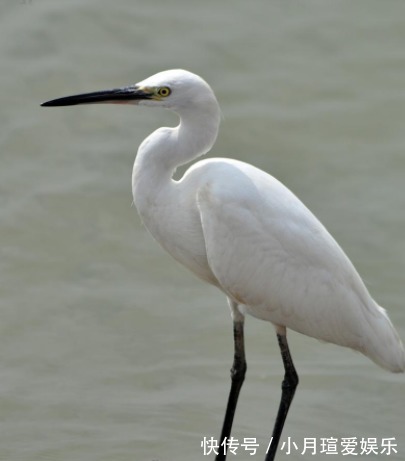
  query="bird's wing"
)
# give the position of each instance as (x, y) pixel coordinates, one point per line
(270, 254)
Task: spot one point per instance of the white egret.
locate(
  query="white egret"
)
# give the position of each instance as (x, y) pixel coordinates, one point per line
(240, 229)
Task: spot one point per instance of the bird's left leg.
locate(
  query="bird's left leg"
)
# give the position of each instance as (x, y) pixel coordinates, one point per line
(238, 372)
(288, 387)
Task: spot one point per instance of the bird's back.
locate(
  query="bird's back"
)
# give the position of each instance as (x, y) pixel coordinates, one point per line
(272, 256)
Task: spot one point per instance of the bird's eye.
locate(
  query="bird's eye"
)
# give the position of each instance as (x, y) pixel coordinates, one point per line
(164, 91)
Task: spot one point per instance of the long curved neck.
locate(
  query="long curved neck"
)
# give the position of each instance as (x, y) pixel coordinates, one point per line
(167, 148)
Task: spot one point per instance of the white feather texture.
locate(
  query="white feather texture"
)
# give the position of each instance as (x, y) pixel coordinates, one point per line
(240, 229)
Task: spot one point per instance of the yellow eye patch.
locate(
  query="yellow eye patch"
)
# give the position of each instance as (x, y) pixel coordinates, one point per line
(163, 91)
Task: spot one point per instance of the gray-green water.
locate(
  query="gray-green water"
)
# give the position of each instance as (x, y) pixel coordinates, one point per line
(109, 350)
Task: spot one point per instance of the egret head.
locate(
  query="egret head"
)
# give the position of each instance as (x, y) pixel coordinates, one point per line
(175, 89)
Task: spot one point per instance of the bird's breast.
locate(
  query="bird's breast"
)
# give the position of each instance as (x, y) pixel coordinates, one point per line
(174, 222)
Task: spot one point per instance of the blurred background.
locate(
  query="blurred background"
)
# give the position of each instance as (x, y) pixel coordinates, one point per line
(109, 350)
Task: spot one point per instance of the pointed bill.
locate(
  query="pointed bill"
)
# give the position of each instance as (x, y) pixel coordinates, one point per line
(126, 95)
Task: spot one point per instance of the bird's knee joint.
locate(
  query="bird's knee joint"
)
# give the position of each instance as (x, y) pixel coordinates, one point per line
(290, 382)
(238, 371)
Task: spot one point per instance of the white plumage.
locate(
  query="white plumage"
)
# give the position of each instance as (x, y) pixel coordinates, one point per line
(240, 229)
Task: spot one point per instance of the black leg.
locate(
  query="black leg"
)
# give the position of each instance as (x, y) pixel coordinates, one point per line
(288, 387)
(238, 372)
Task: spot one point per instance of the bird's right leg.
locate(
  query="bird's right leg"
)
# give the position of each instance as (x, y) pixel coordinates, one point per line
(238, 372)
(288, 387)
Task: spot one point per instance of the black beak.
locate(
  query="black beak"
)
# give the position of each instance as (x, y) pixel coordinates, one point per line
(126, 95)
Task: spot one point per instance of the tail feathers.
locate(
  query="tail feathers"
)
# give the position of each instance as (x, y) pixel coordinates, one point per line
(384, 346)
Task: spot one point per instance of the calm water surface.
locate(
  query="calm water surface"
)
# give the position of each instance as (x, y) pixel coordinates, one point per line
(109, 350)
